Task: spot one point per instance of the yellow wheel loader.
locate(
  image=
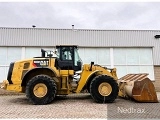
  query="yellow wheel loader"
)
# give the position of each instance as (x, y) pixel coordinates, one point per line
(43, 78)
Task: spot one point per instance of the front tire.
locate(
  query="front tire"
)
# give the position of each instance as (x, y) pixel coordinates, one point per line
(104, 89)
(41, 90)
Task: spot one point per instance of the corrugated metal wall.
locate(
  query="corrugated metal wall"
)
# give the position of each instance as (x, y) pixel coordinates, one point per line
(81, 37)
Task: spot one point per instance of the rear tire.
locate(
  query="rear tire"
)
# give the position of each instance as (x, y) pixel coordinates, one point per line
(104, 89)
(41, 90)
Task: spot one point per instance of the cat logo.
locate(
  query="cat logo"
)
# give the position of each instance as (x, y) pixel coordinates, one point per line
(44, 63)
(40, 63)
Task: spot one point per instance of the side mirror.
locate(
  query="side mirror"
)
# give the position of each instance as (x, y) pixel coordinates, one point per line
(79, 64)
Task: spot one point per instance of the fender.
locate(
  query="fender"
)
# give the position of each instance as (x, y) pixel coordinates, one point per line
(82, 82)
(36, 71)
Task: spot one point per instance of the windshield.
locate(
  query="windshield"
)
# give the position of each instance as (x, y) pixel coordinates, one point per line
(77, 58)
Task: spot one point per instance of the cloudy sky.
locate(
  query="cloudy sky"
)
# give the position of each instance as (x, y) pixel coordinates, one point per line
(84, 15)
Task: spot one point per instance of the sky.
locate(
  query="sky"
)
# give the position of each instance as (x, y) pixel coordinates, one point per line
(83, 15)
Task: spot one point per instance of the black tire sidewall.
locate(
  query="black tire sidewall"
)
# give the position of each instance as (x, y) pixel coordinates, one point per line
(50, 89)
(94, 89)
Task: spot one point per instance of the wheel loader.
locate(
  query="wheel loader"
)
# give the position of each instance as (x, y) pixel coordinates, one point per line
(45, 77)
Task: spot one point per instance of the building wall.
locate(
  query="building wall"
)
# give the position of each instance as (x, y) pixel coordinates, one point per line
(81, 37)
(157, 78)
(85, 38)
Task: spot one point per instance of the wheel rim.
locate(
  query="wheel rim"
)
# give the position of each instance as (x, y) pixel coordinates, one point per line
(105, 89)
(40, 90)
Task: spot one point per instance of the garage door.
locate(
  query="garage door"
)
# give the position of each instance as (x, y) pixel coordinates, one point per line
(8, 55)
(133, 60)
(31, 52)
(11, 54)
(97, 55)
(126, 60)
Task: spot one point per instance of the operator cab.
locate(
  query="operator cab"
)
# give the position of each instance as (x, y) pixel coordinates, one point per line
(68, 58)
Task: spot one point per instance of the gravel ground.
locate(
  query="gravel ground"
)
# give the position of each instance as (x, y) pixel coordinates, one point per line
(72, 106)
(125, 109)
(13, 105)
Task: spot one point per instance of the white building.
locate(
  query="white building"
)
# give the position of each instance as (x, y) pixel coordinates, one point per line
(130, 51)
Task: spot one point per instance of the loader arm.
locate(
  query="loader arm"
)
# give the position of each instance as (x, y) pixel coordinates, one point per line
(88, 72)
(84, 78)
